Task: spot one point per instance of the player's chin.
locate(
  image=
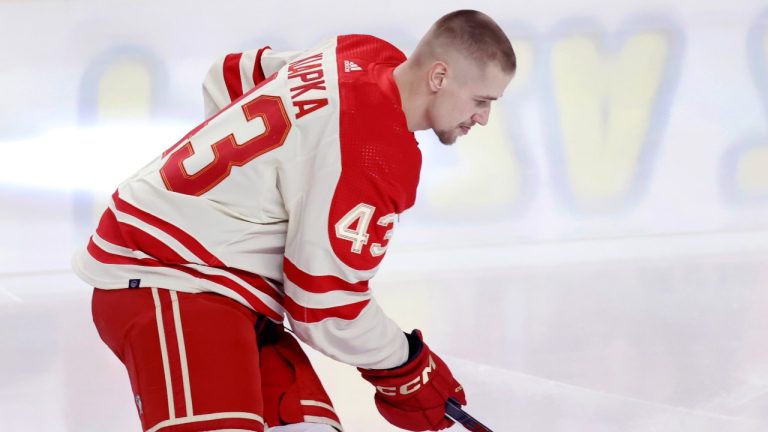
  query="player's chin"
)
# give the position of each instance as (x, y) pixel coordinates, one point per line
(447, 138)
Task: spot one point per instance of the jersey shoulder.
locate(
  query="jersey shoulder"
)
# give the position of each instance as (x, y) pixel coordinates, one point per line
(367, 49)
(380, 158)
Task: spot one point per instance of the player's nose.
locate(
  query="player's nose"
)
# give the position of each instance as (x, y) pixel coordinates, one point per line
(481, 117)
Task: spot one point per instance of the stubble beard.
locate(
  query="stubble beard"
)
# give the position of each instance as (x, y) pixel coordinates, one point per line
(447, 137)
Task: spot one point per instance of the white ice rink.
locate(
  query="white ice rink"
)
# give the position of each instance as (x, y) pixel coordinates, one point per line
(635, 334)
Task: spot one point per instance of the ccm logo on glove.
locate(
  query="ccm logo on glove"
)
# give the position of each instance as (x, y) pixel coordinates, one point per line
(413, 395)
(410, 386)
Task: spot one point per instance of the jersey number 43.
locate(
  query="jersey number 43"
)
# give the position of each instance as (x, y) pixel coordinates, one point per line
(257, 139)
(354, 227)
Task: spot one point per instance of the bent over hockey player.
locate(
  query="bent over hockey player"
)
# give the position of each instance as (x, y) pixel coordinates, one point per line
(281, 206)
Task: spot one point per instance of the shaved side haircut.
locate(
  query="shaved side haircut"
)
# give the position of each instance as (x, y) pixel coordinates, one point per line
(472, 34)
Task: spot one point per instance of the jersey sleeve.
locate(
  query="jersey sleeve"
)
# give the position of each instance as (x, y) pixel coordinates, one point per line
(342, 217)
(234, 74)
(333, 249)
(328, 264)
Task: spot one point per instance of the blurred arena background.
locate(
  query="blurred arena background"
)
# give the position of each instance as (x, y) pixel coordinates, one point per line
(595, 259)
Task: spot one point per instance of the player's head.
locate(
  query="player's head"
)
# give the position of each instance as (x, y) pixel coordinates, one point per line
(463, 63)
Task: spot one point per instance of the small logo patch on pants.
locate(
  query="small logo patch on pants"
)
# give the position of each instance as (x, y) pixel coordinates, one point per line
(137, 398)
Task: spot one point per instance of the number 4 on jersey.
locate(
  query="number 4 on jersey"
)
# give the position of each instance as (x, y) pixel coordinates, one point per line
(353, 226)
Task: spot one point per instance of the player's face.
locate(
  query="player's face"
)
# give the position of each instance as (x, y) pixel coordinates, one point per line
(465, 99)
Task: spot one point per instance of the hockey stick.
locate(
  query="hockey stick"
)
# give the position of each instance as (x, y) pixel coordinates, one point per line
(454, 412)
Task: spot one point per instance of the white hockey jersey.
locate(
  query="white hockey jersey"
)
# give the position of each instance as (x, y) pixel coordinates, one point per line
(284, 199)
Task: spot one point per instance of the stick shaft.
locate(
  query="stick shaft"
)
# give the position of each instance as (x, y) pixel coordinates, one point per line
(454, 412)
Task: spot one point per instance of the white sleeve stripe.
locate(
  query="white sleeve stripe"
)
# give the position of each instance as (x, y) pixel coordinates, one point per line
(247, 62)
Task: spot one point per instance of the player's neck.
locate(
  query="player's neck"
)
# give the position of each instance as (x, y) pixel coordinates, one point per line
(406, 79)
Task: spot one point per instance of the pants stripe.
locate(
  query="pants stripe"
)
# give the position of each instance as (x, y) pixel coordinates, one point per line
(164, 353)
(182, 353)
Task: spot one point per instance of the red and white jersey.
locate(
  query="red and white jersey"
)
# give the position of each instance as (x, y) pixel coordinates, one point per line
(284, 200)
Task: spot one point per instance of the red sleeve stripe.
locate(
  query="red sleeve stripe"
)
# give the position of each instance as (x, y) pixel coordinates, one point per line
(232, 75)
(256, 303)
(258, 71)
(312, 315)
(320, 284)
(177, 233)
(109, 230)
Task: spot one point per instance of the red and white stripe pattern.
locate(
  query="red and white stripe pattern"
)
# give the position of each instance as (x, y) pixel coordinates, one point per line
(232, 76)
(173, 353)
(320, 412)
(179, 260)
(174, 359)
(243, 71)
(332, 314)
(321, 297)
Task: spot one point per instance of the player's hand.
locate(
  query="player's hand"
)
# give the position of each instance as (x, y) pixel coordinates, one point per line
(413, 395)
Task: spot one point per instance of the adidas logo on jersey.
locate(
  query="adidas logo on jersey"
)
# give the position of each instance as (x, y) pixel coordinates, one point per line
(350, 66)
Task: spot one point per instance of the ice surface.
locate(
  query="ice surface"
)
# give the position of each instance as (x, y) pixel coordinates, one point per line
(558, 343)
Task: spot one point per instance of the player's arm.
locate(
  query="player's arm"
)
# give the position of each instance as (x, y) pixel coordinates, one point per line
(331, 307)
(335, 242)
(234, 74)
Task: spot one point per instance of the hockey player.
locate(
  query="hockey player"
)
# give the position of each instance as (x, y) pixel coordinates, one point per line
(280, 206)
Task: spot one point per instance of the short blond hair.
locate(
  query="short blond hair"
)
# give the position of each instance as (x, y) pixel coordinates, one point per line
(473, 34)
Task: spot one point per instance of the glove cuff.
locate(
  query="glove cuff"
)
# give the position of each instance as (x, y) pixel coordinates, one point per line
(415, 345)
(416, 350)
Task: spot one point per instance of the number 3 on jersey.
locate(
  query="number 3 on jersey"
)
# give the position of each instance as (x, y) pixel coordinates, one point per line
(353, 226)
(257, 138)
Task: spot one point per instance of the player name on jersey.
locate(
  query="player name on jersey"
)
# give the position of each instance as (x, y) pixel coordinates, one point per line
(309, 71)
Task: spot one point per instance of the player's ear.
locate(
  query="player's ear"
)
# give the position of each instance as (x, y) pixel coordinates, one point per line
(437, 76)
